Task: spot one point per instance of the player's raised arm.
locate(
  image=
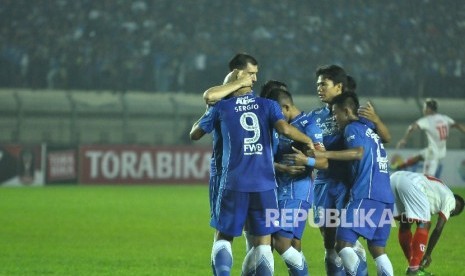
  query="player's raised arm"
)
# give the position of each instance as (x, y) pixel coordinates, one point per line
(459, 126)
(402, 142)
(234, 81)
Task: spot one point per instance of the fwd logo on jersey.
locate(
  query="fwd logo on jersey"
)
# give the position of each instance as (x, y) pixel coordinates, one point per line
(143, 165)
(250, 149)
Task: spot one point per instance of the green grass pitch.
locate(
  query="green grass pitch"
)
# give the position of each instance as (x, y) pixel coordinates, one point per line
(147, 230)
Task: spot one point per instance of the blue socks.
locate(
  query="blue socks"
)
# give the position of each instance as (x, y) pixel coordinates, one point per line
(221, 258)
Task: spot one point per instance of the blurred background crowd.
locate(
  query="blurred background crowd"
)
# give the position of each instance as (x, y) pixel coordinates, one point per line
(393, 48)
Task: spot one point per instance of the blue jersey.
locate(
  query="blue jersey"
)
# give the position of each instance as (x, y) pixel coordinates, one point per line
(215, 163)
(297, 186)
(216, 158)
(370, 175)
(332, 140)
(246, 126)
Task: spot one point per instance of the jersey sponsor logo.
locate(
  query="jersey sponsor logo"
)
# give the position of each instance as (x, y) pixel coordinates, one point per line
(351, 137)
(244, 100)
(304, 123)
(328, 127)
(245, 104)
(382, 164)
(250, 149)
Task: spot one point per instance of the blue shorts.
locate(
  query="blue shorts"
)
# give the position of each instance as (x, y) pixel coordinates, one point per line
(293, 217)
(330, 194)
(233, 208)
(366, 218)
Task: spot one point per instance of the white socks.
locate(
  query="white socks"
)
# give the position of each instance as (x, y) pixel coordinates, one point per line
(260, 257)
(384, 266)
(293, 257)
(358, 248)
(350, 259)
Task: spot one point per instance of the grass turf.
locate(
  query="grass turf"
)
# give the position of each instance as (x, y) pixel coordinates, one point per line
(147, 230)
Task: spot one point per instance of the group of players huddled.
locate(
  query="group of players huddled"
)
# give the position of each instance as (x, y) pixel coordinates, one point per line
(265, 150)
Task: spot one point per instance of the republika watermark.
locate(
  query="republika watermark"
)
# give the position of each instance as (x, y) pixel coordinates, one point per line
(329, 218)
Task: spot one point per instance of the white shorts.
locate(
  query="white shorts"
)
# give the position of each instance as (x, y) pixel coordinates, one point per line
(430, 163)
(411, 199)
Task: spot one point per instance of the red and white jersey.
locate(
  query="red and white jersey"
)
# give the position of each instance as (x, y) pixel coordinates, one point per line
(436, 127)
(417, 185)
(440, 197)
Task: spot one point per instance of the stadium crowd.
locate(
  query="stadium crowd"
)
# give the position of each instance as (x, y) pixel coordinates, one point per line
(395, 48)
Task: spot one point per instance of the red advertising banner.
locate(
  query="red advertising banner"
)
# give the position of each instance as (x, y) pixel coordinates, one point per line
(132, 164)
(61, 165)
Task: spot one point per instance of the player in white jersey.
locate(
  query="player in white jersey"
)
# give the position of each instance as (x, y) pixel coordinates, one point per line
(417, 197)
(436, 127)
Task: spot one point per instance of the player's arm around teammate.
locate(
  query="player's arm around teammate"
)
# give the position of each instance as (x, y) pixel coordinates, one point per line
(234, 81)
(368, 111)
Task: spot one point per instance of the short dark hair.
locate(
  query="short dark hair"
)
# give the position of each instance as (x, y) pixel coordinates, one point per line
(431, 104)
(347, 99)
(351, 84)
(333, 72)
(279, 94)
(269, 85)
(240, 61)
(458, 199)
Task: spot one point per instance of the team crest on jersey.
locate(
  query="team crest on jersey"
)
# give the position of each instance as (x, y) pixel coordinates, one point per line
(329, 127)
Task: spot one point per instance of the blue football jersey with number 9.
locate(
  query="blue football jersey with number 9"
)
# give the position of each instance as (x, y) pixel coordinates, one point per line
(247, 124)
